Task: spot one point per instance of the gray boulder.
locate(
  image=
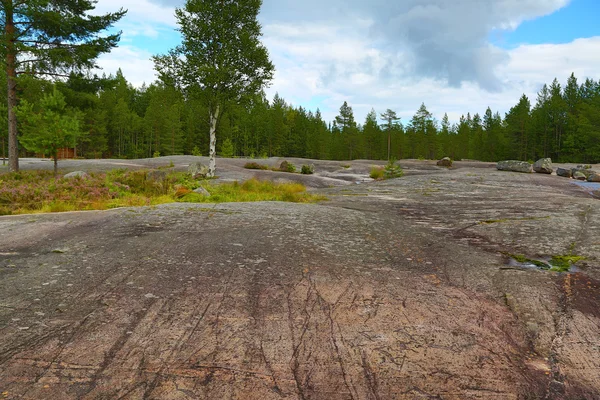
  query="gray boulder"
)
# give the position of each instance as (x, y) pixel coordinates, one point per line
(565, 173)
(583, 170)
(580, 176)
(285, 166)
(156, 175)
(445, 162)
(543, 166)
(594, 177)
(515, 166)
(585, 166)
(198, 170)
(202, 191)
(76, 174)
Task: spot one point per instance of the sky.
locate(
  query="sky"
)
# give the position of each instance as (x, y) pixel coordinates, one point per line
(456, 56)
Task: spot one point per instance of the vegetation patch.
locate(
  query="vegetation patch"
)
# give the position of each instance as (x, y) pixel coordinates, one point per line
(559, 263)
(392, 170)
(307, 170)
(377, 173)
(255, 165)
(564, 263)
(253, 190)
(39, 191)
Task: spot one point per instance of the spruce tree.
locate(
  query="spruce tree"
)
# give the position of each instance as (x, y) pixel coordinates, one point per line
(49, 38)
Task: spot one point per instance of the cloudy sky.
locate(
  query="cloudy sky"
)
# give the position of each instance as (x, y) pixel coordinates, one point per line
(456, 56)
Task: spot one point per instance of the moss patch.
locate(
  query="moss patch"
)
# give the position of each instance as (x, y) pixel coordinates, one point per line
(564, 263)
(559, 263)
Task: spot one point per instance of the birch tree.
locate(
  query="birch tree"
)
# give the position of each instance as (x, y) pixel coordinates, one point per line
(220, 60)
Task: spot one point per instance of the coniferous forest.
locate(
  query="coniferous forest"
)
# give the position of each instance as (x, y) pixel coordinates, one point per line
(122, 121)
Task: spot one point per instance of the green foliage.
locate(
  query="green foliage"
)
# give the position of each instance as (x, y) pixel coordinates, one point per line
(254, 190)
(196, 151)
(392, 170)
(40, 191)
(221, 60)
(255, 165)
(377, 173)
(307, 170)
(227, 148)
(156, 154)
(291, 168)
(48, 126)
(49, 39)
(57, 36)
(564, 263)
(128, 122)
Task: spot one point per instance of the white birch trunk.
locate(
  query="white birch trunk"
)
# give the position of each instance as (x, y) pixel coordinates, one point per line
(213, 143)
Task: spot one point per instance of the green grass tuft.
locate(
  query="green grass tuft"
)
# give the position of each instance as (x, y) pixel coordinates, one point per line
(564, 263)
(377, 173)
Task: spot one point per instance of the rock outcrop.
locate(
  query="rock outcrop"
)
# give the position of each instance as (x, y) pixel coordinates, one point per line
(595, 177)
(76, 174)
(445, 162)
(543, 166)
(198, 170)
(565, 173)
(515, 166)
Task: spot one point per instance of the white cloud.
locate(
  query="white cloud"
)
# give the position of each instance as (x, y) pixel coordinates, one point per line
(139, 12)
(383, 53)
(135, 63)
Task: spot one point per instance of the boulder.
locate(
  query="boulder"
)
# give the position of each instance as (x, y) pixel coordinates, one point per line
(580, 176)
(582, 169)
(198, 170)
(586, 166)
(595, 177)
(76, 174)
(156, 175)
(284, 166)
(202, 191)
(515, 166)
(543, 166)
(566, 173)
(445, 162)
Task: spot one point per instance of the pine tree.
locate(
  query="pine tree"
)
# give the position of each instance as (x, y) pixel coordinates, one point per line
(49, 38)
(348, 129)
(390, 117)
(50, 126)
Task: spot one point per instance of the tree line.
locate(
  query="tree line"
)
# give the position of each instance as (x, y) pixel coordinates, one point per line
(122, 121)
(214, 81)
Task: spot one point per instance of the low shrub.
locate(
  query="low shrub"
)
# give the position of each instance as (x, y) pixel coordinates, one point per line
(255, 165)
(307, 170)
(287, 167)
(377, 173)
(392, 170)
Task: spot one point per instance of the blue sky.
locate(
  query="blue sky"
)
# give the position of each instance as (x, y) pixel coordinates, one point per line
(577, 20)
(456, 57)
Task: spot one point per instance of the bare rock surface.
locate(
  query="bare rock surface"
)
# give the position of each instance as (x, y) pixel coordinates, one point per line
(400, 289)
